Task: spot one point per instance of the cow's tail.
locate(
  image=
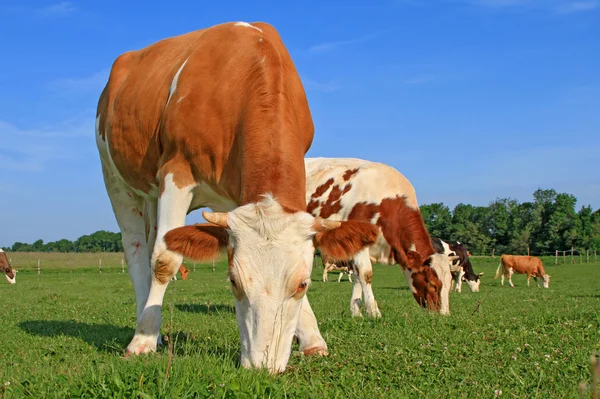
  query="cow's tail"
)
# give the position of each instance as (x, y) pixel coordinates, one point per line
(498, 271)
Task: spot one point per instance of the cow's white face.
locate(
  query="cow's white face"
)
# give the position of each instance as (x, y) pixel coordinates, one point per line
(270, 254)
(12, 279)
(474, 285)
(269, 270)
(546, 281)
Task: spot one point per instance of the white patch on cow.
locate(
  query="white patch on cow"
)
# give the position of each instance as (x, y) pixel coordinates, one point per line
(1, 250)
(175, 80)
(546, 281)
(247, 25)
(12, 280)
(441, 264)
(412, 247)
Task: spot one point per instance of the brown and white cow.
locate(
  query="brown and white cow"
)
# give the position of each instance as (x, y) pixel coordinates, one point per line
(6, 268)
(183, 271)
(332, 265)
(354, 189)
(218, 118)
(522, 264)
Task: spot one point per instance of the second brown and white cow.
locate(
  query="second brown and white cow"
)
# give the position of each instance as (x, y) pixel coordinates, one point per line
(6, 268)
(354, 189)
(530, 265)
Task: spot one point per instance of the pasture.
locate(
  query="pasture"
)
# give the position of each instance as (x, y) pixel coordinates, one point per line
(63, 334)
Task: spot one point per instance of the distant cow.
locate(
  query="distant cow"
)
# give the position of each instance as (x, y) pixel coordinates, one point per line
(461, 268)
(330, 265)
(530, 265)
(183, 271)
(6, 268)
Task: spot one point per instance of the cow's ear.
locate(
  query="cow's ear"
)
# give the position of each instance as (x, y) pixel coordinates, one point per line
(197, 242)
(345, 241)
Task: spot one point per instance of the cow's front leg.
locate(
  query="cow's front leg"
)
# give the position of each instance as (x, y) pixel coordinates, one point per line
(364, 275)
(173, 205)
(307, 331)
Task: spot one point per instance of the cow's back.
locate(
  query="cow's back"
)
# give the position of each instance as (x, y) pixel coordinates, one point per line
(181, 102)
(355, 189)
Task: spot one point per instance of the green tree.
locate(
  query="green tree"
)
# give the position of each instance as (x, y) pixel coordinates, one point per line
(438, 219)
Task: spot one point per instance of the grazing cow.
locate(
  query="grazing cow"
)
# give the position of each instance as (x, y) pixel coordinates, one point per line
(343, 266)
(530, 265)
(6, 268)
(218, 118)
(183, 271)
(461, 268)
(354, 189)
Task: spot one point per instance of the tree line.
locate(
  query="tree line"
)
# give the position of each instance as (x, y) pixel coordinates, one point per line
(550, 222)
(100, 241)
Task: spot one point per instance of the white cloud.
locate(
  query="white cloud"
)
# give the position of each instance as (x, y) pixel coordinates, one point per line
(72, 86)
(326, 87)
(33, 149)
(328, 46)
(57, 10)
(576, 6)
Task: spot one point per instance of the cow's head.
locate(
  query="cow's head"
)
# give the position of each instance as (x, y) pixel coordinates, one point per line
(428, 278)
(546, 281)
(270, 251)
(474, 284)
(6, 268)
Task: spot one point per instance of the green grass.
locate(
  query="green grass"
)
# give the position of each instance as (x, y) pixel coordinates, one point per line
(63, 334)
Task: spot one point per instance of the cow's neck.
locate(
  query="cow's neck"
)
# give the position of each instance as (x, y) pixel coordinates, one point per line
(267, 163)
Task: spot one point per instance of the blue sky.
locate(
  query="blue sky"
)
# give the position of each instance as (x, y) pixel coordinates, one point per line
(470, 99)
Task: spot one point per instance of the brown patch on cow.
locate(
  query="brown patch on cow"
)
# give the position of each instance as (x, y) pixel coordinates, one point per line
(319, 191)
(316, 351)
(368, 277)
(197, 242)
(348, 174)
(363, 211)
(164, 268)
(334, 202)
(312, 205)
(347, 240)
(243, 138)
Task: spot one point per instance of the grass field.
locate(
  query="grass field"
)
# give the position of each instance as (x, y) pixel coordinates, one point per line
(63, 333)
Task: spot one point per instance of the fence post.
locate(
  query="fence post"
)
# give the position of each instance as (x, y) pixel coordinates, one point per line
(493, 252)
(213, 265)
(595, 257)
(564, 256)
(580, 257)
(556, 257)
(38, 265)
(587, 256)
(100, 265)
(528, 253)
(194, 266)
(572, 258)
(122, 265)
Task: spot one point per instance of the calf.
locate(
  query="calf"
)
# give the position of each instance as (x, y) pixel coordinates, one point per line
(530, 265)
(183, 271)
(6, 268)
(358, 190)
(461, 268)
(330, 265)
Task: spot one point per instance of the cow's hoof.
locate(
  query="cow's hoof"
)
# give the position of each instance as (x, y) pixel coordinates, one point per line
(141, 345)
(317, 350)
(375, 314)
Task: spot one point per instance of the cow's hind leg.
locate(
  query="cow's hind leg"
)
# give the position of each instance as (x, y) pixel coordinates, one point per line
(510, 274)
(364, 276)
(129, 212)
(173, 205)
